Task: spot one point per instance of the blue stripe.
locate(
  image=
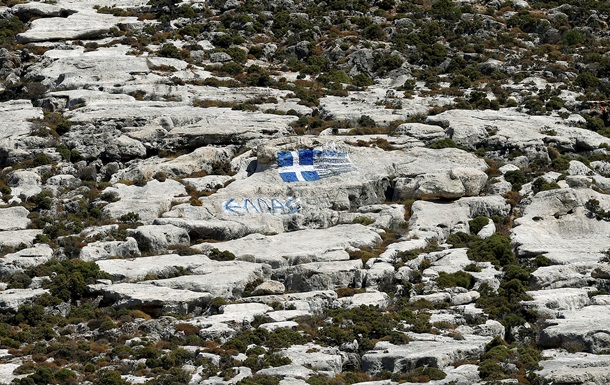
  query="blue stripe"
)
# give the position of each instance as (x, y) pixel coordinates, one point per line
(306, 157)
(289, 176)
(310, 175)
(284, 159)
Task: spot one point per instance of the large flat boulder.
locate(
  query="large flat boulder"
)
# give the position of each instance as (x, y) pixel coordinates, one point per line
(14, 218)
(13, 299)
(297, 246)
(438, 353)
(148, 201)
(221, 279)
(586, 329)
(561, 367)
(152, 299)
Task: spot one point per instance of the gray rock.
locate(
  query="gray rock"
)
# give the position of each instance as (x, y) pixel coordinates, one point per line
(585, 329)
(101, 250)
(439, 353)
(315, 357)
(13, 299)
(221, 279)
(157, 238)
(14, 218)
(80, 25)
(149, 201)
(152, 299)
(561, 367)
(323, 275)
(296, 247)
(23, 259)
(269, 287)
(24, 182)
(18, 238)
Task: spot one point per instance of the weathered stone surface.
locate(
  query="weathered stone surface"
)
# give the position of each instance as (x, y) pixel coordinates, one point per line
(16, 238)
(24, 182)
(157, 238)
(152, 299)
(296, 247)
(553, 302)
(133, 270)
(25, 258)
(323, 275)
(315, 357)
(269, 287)
(80, 25)
(13, 299)
(149, 201)
(557, 224)
(96, 251)
(561, 367)
(585, 329)
(14, 218)
(222, 279)
(439, 354)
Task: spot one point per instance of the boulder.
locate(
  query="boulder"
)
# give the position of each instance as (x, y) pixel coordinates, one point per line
(23, 259)
(439, 353)
(18, 238)
(80, 25)
(323, 275)
(315, 357)
(148, 201)
(14, 218)
(156, 238)
(96, 251)
(221, 279)
(151, 299)
(561, 367)
(296, 247)
(269, 287)
(586, 329)
(13, 299)
(133, 270)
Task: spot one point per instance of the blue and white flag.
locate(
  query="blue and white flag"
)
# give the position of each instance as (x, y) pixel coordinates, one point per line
(310, 165)
(296, 166)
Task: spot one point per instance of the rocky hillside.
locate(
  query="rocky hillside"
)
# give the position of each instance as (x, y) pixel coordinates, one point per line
(294, 192)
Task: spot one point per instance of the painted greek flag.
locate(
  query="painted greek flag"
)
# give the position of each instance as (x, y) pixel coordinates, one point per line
(310, 165)
(296, 166)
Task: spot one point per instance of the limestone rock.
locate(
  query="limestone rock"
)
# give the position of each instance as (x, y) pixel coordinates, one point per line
(561, 367)
(81, 25)
(152, 299)
(323, 275)
(23, 259)
(13, 299)
(269, 287)
(14, 218)
(585, 329)
(157, 238)
(296, 247)
(148, 201)
(17, 238)
(315, 357)
(438, 354)
(221, 279)
(96, 251)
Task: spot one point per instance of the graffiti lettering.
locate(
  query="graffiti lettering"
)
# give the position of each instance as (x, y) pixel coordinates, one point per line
(273, 206)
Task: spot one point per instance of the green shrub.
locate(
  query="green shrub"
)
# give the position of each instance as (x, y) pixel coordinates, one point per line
(460, 279)
(541, 184)
(218, 255)
(517, 178)
(442, 143)
(477, 224)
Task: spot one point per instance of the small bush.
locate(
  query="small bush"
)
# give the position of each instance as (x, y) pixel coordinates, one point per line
(218, 255)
